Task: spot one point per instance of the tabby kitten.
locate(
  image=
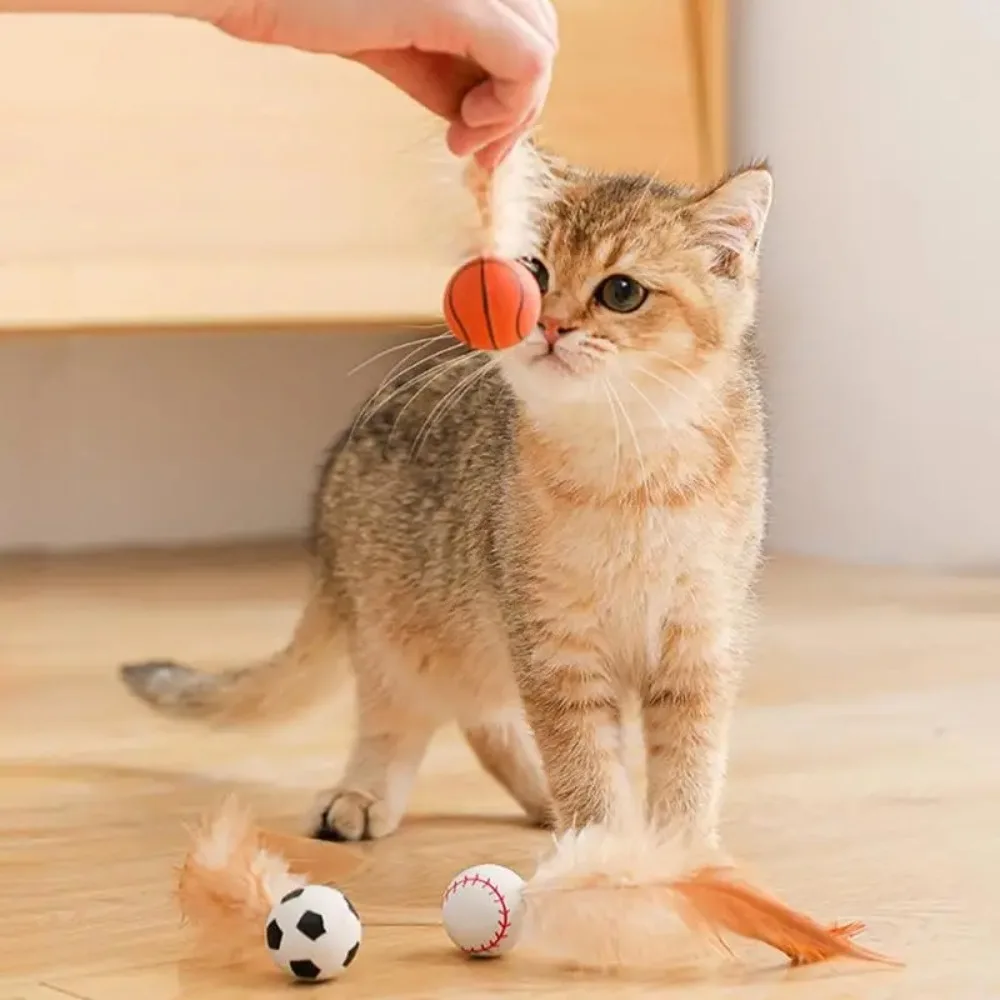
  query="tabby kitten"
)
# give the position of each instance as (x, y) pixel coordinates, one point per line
(525, 541)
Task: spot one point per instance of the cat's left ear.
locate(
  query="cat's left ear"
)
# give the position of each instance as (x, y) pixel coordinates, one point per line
(731, 217)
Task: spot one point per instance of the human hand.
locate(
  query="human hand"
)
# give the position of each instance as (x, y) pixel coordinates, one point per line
(483, 65)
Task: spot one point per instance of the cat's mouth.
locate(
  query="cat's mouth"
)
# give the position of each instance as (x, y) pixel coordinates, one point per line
(555, 361)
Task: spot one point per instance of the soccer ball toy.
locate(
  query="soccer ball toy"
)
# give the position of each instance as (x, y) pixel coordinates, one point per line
(313, 933)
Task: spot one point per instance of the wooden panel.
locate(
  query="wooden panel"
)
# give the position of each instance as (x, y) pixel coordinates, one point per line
(625, 94)
(158, 170)
(710, 23)
(157, 173)
(869, 686)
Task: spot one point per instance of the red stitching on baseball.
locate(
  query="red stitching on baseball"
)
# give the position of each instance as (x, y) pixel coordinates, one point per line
(503, 924)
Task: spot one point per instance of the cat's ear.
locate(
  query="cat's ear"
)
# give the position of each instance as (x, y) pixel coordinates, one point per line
(731, 217)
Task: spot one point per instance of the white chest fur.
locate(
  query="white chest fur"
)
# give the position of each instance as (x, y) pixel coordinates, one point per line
(618, 570)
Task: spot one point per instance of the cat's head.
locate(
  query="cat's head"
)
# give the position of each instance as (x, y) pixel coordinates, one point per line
(648, 290)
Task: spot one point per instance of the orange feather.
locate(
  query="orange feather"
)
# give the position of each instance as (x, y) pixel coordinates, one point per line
(714, 899)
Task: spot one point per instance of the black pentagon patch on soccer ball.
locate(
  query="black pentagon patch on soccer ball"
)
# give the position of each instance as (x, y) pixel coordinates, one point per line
(294, 894)
(311, 925)
(302, 968)
(274, 935)
(352, 953)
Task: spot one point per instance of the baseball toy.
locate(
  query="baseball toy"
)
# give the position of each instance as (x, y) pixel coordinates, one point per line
(313, 933)
(491, 303)
(483, 910)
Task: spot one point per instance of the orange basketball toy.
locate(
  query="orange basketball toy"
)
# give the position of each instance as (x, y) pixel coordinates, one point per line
(491, 303)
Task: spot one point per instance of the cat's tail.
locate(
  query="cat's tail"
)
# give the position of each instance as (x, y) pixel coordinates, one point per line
(269, 691)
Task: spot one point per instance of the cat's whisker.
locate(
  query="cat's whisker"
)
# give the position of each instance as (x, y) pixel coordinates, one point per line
(443, 367)
(644, 475)
(396, 373)
(652, 406)
(618, 436)
(661, 420)
(489, 366)
(599, 345)
(729, 443)
(426, 377)
(693, 375)
(436, 325)
(391, 350)
(451, 398)
(596, 348)
(416, 348)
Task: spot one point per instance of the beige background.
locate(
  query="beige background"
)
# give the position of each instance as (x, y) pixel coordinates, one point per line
(167, 438)
(878, 320)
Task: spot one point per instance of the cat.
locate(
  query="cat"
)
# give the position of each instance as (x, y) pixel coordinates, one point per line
(522, 541)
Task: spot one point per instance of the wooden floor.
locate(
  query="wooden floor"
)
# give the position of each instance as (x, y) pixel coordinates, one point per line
(865, 785)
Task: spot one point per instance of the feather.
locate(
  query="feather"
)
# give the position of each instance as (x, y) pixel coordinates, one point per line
(715, 898)
(235, 872)
(228, 882)
(636, 897)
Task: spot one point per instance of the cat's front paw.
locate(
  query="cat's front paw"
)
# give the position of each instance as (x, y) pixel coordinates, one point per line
(352, 815)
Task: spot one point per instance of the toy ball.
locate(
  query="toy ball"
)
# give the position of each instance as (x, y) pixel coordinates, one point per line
(313, 933)
(491, 303)
(483, 910)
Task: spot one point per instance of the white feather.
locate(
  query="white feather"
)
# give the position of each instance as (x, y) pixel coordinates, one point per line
(602, 898)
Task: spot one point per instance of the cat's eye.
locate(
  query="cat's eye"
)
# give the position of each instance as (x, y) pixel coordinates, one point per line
(620, 293)
(539, 270)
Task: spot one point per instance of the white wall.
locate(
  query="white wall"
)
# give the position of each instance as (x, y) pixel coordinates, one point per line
(113, 440)
(880, 314)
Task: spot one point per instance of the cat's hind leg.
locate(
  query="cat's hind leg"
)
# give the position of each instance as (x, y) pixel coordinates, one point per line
(507, 752)
(393, 731)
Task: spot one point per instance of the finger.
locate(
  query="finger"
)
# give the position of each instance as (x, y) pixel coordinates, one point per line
(539, 13)
(494, 153)
(463, 141)
(494, 102)
(437, 81)
(490, 34)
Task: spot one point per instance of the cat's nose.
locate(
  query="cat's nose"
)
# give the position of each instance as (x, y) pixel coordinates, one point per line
(552, 329)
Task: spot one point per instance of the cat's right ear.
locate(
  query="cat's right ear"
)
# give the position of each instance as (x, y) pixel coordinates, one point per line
(731, 217)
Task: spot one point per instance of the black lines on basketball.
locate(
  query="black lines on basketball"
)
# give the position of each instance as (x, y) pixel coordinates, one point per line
(454, 318)
(486, 304)
(520, 309)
